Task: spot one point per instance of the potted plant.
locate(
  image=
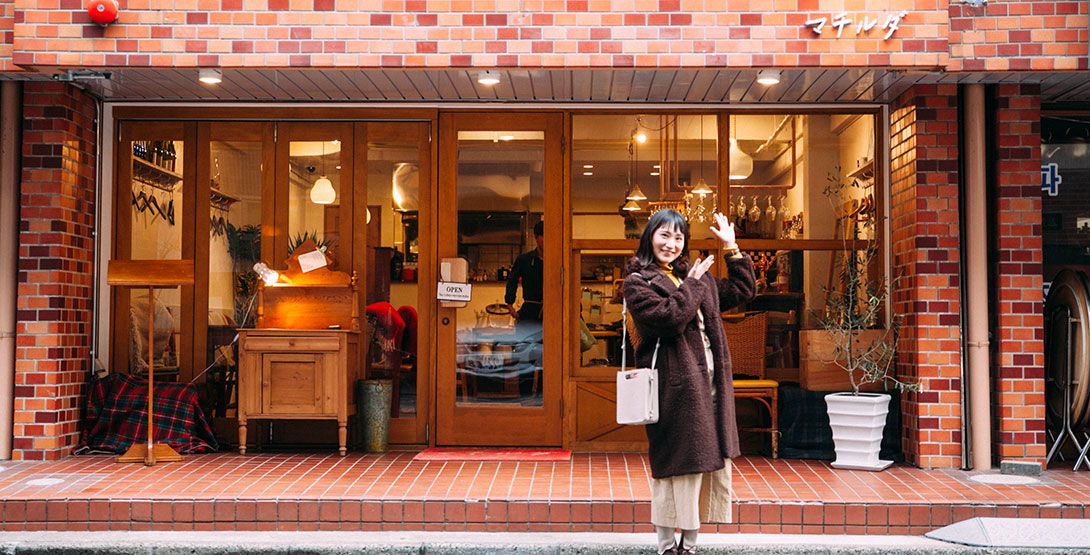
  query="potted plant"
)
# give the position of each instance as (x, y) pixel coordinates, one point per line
(855, 301)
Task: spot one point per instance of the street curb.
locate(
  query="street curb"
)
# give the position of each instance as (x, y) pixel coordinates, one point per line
(464, 543)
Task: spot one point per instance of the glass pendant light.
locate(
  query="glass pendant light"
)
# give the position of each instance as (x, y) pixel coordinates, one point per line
(322, 192)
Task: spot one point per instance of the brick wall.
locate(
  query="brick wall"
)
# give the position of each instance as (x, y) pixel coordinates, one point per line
(1018, 36)
(481, 33)
(1018, 356)
(56, 253)
(7, 34)
(925, 242)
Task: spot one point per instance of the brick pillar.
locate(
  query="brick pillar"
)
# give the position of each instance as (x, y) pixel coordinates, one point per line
(1018, 356)
(925, 255)
(56, 267)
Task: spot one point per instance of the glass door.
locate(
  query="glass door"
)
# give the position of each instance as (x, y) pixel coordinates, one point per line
(499, 370)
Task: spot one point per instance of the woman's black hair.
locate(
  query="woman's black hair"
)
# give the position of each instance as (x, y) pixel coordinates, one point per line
(645, 254)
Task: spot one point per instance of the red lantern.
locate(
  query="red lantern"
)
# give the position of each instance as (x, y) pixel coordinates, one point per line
(103, 12)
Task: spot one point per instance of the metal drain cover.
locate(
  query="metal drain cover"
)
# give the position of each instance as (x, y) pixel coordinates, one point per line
(44, 482)
(1004, 479)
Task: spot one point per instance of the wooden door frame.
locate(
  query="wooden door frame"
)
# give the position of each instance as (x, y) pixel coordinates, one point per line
(541, 426)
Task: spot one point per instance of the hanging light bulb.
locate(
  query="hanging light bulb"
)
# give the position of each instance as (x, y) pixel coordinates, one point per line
(636, 194)
(322, 192)
(701, 187)
(631, 206)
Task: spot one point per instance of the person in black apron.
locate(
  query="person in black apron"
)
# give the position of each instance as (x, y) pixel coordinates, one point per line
(529, 270)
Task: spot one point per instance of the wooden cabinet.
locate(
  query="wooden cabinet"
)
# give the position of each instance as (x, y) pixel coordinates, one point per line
(297, 374)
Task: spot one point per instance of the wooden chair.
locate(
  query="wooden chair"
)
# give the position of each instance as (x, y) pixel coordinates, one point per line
(746, 340)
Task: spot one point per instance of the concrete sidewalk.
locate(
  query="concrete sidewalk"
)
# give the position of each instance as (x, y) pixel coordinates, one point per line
(450, 543)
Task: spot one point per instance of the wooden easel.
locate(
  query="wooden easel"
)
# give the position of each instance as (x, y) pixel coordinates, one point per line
(151, 274)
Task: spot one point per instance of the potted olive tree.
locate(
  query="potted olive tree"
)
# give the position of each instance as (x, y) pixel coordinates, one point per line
(856, 301)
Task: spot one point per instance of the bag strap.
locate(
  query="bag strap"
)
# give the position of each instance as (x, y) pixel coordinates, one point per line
(624, 339)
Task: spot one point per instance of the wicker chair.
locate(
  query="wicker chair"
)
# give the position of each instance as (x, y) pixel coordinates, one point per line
(746, 340)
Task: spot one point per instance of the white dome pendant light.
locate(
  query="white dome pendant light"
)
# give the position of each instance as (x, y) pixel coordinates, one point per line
(322, 192)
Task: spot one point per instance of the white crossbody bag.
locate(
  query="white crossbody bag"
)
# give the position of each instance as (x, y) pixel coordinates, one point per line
(638, 389)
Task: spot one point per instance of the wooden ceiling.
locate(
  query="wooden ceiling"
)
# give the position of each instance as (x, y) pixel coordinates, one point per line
(552, 85)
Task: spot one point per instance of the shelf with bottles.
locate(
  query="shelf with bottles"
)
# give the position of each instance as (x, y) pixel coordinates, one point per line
(154, 162)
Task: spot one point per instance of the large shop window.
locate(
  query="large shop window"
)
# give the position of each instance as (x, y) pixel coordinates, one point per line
(770, 172)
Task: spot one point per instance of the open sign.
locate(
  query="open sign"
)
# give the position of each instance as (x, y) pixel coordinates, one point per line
(454, 291)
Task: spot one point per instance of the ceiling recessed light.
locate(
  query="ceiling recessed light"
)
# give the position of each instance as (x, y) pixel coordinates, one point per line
(588, 173)
(588, 166)
(210, 76)
(488, 77)
(507, 137)
(654, 173)
(768, 77)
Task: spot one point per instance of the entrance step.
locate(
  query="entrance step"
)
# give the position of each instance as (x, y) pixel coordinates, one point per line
(451, 543)
(593, 492)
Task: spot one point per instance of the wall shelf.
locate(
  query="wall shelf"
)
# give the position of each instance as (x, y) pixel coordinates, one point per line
(864, 172)
(221, 199)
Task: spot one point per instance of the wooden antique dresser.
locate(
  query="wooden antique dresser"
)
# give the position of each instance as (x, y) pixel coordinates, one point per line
(301, 362)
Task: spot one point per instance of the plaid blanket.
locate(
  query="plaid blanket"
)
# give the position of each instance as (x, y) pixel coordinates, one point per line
(117, 416)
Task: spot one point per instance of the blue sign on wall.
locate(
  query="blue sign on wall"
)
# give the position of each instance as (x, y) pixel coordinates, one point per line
(1050, 179)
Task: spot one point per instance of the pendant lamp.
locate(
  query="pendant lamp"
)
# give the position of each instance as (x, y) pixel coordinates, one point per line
(741, 164)
(322, 192)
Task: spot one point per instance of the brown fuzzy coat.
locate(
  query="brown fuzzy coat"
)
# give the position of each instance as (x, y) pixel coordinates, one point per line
(692, 435)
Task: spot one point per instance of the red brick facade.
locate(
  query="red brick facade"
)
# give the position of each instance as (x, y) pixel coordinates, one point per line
(489, 33)
(1018, 36)
(1019, 400)
(57, 247)
(925, 254)
(56, 269)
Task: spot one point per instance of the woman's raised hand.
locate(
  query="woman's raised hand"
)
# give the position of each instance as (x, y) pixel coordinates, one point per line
(724, 230)
(699, 267)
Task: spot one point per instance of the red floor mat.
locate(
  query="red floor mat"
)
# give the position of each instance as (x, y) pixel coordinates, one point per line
(482, 454)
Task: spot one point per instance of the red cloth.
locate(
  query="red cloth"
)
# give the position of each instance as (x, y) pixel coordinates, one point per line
(389, 328)
(408, 342)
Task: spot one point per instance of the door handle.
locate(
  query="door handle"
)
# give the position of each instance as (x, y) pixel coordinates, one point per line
(446, 321)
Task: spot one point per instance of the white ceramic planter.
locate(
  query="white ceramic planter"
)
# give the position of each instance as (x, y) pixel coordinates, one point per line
(857, 422)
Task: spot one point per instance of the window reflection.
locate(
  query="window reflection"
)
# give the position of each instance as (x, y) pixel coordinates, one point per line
(314, 195)
(393, 193)
(234, 247)
(500, 198)
(156, 201)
